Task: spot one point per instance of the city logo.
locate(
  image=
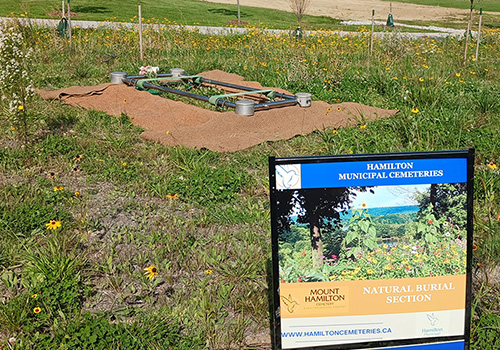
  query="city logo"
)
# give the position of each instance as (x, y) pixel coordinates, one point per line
(288, 177)
(432, 319)
(291, 304)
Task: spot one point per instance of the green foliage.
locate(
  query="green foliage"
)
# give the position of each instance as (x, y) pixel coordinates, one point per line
(28, 208)
(486, 333)
(16, 80)
(91, 332)
(361, 234)
(194, 179)
(123, 222)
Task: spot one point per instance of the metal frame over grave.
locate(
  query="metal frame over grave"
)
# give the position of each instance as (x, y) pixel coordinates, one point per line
(255, 99)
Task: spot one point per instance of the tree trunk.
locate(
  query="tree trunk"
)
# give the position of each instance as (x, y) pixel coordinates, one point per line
(317, 246)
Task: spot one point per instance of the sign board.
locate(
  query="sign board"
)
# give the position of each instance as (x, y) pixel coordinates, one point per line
(372, 251)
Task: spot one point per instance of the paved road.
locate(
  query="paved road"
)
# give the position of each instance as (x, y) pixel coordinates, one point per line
(438, 32)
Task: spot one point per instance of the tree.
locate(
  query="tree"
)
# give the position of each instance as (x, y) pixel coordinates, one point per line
(319, 209)
(447, 202)
(469, 26)
(299, 7)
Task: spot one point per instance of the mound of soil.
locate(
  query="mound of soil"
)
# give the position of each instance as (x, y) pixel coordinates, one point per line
(178, 124)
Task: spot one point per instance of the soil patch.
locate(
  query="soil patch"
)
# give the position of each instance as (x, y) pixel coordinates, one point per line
(175, 123)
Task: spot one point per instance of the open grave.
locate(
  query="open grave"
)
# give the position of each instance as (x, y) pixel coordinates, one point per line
(237, 115)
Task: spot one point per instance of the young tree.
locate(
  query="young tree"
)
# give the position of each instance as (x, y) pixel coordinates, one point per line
(469, 26)
(299, 7)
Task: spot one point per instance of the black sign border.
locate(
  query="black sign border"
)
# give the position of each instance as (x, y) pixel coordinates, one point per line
(276, 317)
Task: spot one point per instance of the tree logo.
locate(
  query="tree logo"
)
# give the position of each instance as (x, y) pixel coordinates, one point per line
(288, 176)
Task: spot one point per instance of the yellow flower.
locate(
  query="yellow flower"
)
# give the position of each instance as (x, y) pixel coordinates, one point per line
(362, 126)
(172, 196)
(124, 164)
(351, 152)
(21, 107)
(369, 271)
(492, 166)
(34, 296)
(151, 271)
(458, 74)
(415, 110)
(421, 79)
(53, 225)
(208, 272)
(335, 132)
(77, 194)
(339, 109)
(37, 310)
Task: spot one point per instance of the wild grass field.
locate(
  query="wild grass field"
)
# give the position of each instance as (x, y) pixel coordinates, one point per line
(111, 241)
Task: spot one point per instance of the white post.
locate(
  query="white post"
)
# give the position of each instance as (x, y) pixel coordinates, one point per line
(140, 33)
(63, 14)
(69, 25)
(479, 34)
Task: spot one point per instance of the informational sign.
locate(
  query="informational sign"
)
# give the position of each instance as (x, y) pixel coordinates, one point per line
(372, 251)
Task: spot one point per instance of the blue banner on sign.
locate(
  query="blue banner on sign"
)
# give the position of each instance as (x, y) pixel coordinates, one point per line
(383, 173)
(455, 345)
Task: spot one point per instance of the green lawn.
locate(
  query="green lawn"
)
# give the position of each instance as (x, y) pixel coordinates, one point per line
(193, 12)
(187, 12)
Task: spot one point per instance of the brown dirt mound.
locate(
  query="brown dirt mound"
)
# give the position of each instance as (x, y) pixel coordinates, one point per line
(175, 123)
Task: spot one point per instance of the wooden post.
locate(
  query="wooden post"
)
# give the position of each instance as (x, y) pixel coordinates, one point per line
(63, 14)
(469, 26)
(373, 28)
(140, 33)
(239, 18)
(69, 25)
(479, 33)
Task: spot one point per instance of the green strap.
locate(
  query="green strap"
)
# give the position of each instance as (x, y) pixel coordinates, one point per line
(270, 94)
(139, 84)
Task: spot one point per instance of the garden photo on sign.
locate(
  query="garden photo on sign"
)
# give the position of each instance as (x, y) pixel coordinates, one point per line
(372, 232)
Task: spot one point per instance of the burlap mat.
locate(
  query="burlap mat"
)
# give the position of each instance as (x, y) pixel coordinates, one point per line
(178, 124)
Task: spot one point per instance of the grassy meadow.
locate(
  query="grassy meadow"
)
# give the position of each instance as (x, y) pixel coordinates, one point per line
(196, 12)
(110, 241)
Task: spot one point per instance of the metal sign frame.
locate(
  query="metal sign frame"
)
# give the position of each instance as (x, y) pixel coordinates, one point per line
(321, 327)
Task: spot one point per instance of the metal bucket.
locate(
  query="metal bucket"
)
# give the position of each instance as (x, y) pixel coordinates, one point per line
(117, 77)
(245, 107)
(176, 72)
(304, 99)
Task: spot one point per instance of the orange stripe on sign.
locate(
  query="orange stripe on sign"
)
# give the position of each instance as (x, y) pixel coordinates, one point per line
(346, 298)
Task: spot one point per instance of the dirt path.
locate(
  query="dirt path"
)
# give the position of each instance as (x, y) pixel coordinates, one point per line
(361, 10)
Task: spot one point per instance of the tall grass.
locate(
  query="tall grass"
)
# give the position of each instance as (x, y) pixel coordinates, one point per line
(126, 204)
